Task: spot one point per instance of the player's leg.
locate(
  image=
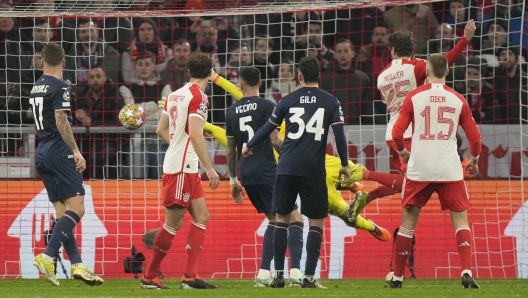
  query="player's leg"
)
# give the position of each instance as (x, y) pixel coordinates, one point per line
(414, 198)
(175, 209)
(295, 247)
(454, 197)
(284, 196)
(314, 205)
(195, 237)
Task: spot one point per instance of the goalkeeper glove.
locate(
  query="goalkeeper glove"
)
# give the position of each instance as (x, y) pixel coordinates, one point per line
(161, 102)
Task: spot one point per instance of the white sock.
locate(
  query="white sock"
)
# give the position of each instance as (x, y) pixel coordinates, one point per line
(47, 258)
(466, 271)
(398, 278)
(263, 274)
(295, 273)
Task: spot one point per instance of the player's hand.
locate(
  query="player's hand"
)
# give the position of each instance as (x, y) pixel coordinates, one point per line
(29, 113)
(344, 171)
(213, 75)
(214, 180)
(472, 167)
(405, 156)
(161, 102)
(246, 151)
(80, 114)
(80, 163)
(237, 192)
(469, 31)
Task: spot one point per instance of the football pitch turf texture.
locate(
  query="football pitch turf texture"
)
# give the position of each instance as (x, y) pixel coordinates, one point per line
(233, 288)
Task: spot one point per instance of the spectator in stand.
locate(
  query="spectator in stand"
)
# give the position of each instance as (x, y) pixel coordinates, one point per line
(162, 24)
(176, 73)
(146, 89)
(479, 93)
(10, 48)
(239, 56)
(348, 84)
(507, 82)
(285, 84)
(458, 16)
(376, 56)
(511, 12)
(294, 38)
(315, 35)
(115, 31)
(43, 32)
(496, 37)
(263, 46)
(99, 103)
(89, 52)
(146, 40)
(416, 18)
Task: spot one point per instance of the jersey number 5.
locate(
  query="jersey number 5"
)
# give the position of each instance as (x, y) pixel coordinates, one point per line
(242, 123)
(37, 104)
(426, 113)
(314, 125)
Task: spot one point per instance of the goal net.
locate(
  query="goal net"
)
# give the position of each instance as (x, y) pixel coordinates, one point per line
(135, 51)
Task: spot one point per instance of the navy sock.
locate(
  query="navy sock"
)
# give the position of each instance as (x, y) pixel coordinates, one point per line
(280, 243)
(70, 246)
(267, 247)
(313, 249)
(295, 243)
(61, 232)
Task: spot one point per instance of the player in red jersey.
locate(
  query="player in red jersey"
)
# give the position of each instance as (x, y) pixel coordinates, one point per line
(181, 126)
(399, 78)
(435, 111)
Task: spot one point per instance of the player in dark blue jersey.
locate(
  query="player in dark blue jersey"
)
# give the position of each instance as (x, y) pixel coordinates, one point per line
(59, 164)
(308, 112)
(258, 171)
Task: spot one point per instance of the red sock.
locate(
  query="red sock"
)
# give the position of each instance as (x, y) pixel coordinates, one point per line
(464, 240)
(402, 250)
(195, 240)
(380, 192)
(160, 248)
(392, 181)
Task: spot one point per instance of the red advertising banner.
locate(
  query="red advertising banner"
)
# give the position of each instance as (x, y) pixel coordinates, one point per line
(118, 213)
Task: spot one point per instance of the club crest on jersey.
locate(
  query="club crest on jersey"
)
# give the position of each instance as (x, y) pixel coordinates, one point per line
(66, 96)
(203, 106)
(186, 197)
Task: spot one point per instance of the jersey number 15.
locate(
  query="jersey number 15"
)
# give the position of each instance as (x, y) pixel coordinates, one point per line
(37, 104)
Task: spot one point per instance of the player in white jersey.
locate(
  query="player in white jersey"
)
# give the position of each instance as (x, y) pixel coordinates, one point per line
(181, 125)
(435, 111)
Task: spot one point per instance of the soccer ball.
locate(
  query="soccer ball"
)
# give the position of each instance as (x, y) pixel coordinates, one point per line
(132, 116)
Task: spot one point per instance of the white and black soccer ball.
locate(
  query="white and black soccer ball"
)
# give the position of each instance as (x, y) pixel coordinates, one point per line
(132, 116)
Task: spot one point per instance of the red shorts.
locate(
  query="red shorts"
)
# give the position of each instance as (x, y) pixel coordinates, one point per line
(396, 162)
(453, 195)
(181, 189)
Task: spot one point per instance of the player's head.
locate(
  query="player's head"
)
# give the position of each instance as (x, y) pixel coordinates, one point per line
(308, 71)
(249, 78)
(401, 44)
(437, 67)
(199, 65)
(52, 56)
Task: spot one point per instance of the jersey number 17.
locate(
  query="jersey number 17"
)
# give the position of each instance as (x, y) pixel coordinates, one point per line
(37, 104)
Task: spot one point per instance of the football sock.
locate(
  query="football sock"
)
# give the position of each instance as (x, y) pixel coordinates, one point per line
(380, 192)
(70, 246)
(313, 249)
(160, 248)
(280, 243)
(402, 250)
(363, 224)
(195, 239)
(61, 232)
(295, 244)
(267, 247)
(463, 240)
(263, 274)
(393, 181)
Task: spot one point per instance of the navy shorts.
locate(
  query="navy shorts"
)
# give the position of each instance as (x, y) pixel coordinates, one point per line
(313, 194)
(62, 180)
(261, 196)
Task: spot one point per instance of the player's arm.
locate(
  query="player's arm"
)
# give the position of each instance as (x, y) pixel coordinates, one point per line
(198, 142)
(265, 130)
(338, 122)
(276, 140)
(405, 118)
(474, 138)
(163, 128)
(65, 130)
(226, 85)
(455, 52)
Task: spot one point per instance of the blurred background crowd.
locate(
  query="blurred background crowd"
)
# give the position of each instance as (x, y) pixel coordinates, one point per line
(124, 58)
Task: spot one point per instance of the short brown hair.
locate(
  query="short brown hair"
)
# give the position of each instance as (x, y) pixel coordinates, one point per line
(199, 65)
(52, 54)
(438, 65)
(403, 43)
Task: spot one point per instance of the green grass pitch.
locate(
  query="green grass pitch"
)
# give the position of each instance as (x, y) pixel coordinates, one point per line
(233, 288)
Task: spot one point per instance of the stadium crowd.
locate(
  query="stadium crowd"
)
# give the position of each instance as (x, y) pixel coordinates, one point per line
(119, 59)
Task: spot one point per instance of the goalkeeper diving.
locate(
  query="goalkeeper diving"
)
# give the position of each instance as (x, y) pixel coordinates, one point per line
(337, 206)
